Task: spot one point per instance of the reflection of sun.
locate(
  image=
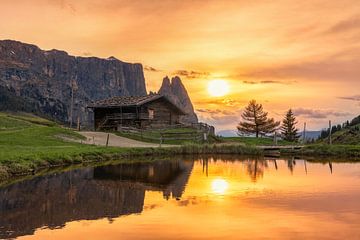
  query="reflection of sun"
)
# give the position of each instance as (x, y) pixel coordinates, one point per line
(219, 186)
(218, 88)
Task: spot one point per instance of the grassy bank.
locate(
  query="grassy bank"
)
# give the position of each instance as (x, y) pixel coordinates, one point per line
(29, 143)
(325, 150)
(252, 141)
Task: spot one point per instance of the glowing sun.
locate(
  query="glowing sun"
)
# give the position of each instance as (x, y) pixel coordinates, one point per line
(218, 88)
(219, 186)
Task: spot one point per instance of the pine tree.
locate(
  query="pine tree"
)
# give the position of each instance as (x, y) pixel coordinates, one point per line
(288, 127)
(256, 121)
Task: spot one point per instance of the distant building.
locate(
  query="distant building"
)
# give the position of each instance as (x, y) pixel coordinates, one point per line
(152, 110)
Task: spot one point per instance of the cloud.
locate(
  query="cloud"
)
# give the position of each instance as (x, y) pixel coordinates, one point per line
(342, 66)
(151, 69)
(269, 82)
(319, 113)
(352, 23)
(219, 117)
(87, 54)
(215, 111)
(191, 74)
(223, 102)
(65, 5)
(355, 98)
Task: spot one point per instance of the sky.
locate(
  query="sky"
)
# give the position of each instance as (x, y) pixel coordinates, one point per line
(303, 55)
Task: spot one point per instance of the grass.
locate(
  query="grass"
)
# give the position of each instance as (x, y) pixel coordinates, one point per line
(325, 150)
(29, 143)
(252, 141)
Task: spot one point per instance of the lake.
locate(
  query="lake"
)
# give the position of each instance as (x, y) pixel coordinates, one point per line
(205, 198)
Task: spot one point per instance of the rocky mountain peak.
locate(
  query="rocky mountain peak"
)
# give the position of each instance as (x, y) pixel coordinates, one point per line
(176, 92)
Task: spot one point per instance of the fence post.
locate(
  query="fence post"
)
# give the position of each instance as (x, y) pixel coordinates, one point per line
(161, 139)
(78, 123)
(330, 139)
(275, 138)
(107, 140)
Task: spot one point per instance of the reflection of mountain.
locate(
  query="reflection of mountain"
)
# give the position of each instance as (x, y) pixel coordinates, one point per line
(108, 191)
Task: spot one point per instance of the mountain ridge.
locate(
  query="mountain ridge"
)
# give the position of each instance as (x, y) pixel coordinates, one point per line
(47, 79)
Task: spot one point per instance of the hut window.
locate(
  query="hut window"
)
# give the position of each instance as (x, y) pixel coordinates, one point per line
(151, 113)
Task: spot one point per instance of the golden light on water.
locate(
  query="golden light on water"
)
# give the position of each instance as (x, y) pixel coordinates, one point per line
(218, 88)
(219, 186)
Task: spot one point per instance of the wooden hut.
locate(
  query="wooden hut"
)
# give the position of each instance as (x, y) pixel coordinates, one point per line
(152, 110)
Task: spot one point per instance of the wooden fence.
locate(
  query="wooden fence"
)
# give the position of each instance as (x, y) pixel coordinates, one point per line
(162, 135)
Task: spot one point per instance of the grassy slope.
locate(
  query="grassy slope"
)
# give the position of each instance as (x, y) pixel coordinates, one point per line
(349, 135)
(255, 141)
(27, 141)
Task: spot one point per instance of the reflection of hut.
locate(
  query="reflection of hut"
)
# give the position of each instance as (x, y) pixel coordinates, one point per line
(170, 177)
(89, 194)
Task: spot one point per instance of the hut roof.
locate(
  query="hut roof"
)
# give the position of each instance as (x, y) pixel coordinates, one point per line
(132, 101)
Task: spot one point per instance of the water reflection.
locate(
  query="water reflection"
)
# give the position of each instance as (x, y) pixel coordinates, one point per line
(91, 193)
(228, 196)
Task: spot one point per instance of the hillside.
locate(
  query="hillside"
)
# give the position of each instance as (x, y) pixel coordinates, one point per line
(349, 135)
(29, 142)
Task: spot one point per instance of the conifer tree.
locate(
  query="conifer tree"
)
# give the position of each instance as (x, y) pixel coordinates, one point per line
(256, 121)
(288, 127)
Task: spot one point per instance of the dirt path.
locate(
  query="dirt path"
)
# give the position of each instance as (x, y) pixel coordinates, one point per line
(116, 141)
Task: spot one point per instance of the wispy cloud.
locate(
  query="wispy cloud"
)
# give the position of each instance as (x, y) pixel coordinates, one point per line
(191, 73)
(352, 23)
(343, 68)
(151, 69)
(87, 54)
(222, 102)
(355, 98)
(268, 82)
(319, 113)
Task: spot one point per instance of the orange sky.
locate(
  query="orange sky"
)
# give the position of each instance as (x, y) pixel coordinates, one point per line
(304, 55)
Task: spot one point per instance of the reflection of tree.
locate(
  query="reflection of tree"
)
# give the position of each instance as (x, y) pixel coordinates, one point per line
(331, 167)
(255, 168)
(291, 164)
(205, 166)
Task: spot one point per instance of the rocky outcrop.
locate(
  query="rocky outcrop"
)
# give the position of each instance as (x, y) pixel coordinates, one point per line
(176, 92)
(45, 79)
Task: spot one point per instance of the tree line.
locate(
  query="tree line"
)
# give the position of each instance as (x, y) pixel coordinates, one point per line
(256, 121)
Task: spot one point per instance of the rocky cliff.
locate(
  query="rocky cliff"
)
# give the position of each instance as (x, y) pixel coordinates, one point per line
(176, 92)
(45, 79)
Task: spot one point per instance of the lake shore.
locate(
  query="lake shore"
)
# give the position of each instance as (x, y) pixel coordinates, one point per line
(95, 154)
(30, 165)
(29, 144)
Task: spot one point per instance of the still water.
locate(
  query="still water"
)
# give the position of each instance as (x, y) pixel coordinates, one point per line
(188, 199)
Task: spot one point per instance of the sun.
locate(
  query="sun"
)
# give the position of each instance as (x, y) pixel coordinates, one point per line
(218, 88)
(219, 186)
